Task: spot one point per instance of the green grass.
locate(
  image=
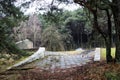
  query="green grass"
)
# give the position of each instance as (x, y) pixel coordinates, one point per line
(103, 53)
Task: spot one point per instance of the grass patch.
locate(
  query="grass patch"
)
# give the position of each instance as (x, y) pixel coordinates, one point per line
(7, 60)
(72, 52)
(103, 53)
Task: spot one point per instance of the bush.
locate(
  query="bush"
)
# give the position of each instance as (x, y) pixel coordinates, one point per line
(112, 76)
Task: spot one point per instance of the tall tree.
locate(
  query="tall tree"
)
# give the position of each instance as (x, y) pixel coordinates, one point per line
(116, 14)
(92, 6)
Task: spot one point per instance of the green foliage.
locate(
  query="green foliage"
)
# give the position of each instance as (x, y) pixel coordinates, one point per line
(73, 15)
(112, 76)
(52, 39)
(57, 21)
(66, 38)
(79, 15)
(10, 16)
(60, 19)
(52, 18)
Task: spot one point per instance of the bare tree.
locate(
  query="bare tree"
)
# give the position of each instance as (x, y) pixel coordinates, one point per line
(30, 29)
(34, 29)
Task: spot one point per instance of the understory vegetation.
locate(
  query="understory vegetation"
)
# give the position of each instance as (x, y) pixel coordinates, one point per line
(7, 60)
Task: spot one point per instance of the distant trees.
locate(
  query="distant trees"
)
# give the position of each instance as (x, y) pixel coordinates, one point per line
(58, 19)
(52, 40)
(72, 26)
(55, 36)
(76, 22)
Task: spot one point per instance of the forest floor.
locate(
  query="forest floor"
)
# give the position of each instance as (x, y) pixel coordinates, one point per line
(91, 71)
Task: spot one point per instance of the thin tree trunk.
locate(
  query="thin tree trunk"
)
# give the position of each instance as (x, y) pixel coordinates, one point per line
(108, 42)
(108, 51)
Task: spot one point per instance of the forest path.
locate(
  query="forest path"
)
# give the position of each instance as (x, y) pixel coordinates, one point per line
(63, 60)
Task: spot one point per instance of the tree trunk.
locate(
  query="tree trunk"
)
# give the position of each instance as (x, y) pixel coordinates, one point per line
(109, 35)
(116, 15)
(106, 37)
(108, 51)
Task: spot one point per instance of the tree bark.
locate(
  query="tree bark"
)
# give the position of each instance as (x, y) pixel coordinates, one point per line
(108, 51)
(116, 15)
(109, 37)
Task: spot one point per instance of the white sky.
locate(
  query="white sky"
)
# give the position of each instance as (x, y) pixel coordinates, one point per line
(33, 8)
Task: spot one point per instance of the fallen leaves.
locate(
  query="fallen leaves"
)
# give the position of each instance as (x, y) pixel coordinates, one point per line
(90, 71)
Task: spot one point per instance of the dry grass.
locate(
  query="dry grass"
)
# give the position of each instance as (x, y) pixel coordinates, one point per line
(72, 52)
(7, 60)
(103, 53)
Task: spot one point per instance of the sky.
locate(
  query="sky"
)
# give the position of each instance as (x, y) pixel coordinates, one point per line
(34, 6)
